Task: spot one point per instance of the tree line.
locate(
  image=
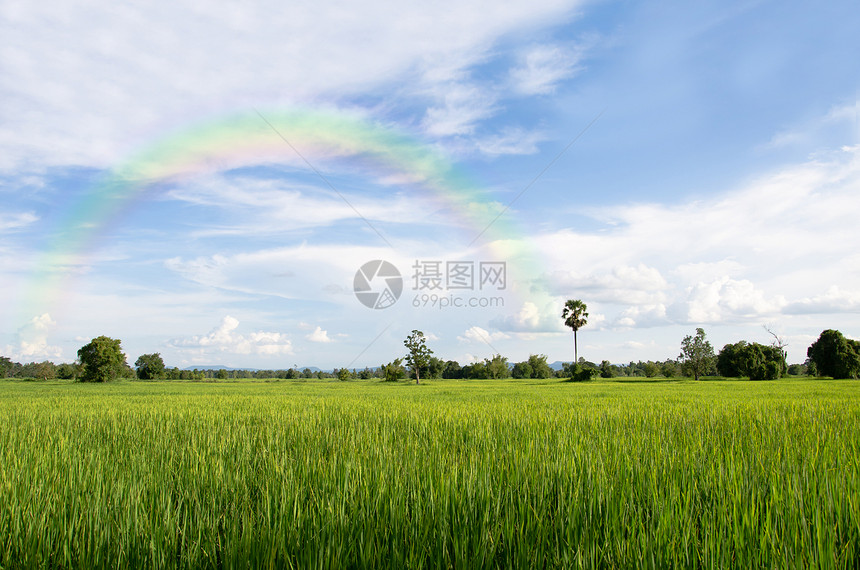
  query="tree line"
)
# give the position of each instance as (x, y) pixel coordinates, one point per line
(832, 354)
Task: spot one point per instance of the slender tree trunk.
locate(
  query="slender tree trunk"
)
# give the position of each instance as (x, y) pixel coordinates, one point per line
(575, 350)
(417, 376)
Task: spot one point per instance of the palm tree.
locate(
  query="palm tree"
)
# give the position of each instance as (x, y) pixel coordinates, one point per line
(575, 317)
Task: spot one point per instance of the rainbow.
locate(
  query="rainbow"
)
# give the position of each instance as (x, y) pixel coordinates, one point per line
(256, 138)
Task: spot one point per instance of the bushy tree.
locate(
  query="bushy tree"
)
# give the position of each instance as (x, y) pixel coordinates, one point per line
(834, 355)
(669, 368)
(697, 354)
(452, 370)
(393, 371)
(102, 360)
(6, 367)
(521, 370)
(67, 371)
(418, 356)
(760, 362)
(343, 374)
(540, 367)
(729, 360)
(606, 369)
(582, 372)
(149, 366)
(497, 367)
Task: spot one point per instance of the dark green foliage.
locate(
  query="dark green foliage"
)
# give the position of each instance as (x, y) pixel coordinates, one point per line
(393, 371)
(669, 369)
(729, 360)
(651, 369)
(834, 355)
(535, 367)
(754, 360)
(68, 371)
(102, 360)
(497, 367)
(583, 373)
(6, 367)
(343, 374)
(521, 370)
(149, 366)
(418, 356)
(697, 354)
(575, 317)
(761, 362)
(452, 370)
(606, 370)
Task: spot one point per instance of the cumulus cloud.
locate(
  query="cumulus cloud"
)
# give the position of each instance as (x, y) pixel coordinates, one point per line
(224, 338)
(748, 254)
(318, 335)
(32, 341)
(724, 300)
(478, 334)
(834, 300)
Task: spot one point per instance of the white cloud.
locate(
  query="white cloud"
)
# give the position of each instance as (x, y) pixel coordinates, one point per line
(743, 255)
(481, 335)
(724, 300)
(72, 72)
(542, 67)
(32, 341)
(318, 335)
(621, 284)
(533, 318)
(14, 221)
(462, 107)
(224, 339)
(834, 300)
(509, 142)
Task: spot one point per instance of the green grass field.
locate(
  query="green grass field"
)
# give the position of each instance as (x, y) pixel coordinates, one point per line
(538, 474)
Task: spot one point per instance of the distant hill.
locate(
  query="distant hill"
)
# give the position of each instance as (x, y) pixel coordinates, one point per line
(557, 365)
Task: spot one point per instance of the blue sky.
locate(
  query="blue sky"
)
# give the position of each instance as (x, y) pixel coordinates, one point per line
(712, 178)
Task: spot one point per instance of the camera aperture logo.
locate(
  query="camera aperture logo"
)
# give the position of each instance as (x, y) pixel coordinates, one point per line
(377, 284)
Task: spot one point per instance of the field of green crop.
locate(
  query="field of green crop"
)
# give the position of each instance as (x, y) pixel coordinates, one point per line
(464, 474)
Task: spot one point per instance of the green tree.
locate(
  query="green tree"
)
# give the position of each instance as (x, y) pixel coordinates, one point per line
(669, 368)
(521, 370)
(393, 371)
(149, 366)
(729, 361)
(760, 362)
(452, 370)
(102, 360)
(606, 370)
(697, 354)
(575, 317)
(497, 367)
(834, 355)
(6, 366)
(651, 369)
(540, 367)
(67, 371)
(418, 356)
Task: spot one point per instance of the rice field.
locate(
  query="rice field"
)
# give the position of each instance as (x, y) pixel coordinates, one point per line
(448, 474)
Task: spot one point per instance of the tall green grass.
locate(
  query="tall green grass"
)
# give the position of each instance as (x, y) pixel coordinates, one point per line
(447, 474)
